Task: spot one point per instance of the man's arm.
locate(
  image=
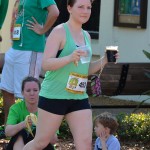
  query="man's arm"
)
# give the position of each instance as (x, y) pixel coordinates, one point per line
(53, 13)
(52, 16)
(3, 12)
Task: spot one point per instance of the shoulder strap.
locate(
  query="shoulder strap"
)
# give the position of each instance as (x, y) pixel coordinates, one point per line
(67, 30)
(86, 37)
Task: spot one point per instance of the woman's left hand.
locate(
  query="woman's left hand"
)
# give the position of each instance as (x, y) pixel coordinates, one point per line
(35, 26)
(117, 56)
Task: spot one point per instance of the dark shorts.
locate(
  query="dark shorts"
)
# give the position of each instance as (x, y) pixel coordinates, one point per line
(26, 138)
(62, 107)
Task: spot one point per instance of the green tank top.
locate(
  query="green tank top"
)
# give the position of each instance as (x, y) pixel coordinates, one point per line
(55, 82)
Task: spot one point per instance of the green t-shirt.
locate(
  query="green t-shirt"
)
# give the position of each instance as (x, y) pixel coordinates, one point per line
(3, 11)
(30, 40)
(55, 82)
(17, 113)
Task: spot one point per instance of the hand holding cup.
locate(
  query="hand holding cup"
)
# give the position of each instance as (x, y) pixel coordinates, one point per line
(112, 53)
(85, 55)
(76, 56)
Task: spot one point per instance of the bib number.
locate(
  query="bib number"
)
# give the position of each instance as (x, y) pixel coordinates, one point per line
(17, 32)
(76, 83)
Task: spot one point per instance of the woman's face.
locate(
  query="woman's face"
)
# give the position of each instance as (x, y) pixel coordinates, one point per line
(31, 92)
(80, 11)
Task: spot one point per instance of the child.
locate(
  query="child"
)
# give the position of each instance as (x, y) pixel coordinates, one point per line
(105, 126)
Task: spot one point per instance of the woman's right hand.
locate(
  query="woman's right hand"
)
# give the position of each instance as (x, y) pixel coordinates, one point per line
(75, 56)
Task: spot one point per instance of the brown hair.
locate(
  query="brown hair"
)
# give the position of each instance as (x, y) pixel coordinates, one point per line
(107, 120)
(72, 2)
(30, 79)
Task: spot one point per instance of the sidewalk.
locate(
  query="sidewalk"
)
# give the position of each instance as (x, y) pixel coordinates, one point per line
(107, 101)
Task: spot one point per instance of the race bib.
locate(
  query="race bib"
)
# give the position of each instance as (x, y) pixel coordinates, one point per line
(76, 83)
(16, 32)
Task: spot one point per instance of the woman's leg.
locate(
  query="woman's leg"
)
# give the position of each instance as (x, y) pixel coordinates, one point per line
(81, 126)
(47, 126)
(19, 144)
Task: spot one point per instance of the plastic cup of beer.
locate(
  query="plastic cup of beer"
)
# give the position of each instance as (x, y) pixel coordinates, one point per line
(86, 58)
(111, 52)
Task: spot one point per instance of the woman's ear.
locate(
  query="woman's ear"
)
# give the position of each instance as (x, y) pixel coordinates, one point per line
(69, 9)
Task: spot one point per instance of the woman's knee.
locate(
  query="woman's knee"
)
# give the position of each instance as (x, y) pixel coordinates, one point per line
(88, 141)
(83, 143)
(41, 143)
(19, 144)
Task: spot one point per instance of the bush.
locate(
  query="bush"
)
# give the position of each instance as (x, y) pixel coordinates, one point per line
(132, 127)
(64, 131)
(135, 127)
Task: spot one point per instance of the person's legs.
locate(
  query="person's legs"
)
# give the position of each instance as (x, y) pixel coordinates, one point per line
(6, 84)
(8, 100)
(19, 144)
(47, 126)
(35, 64)
(18, 141)
(27, 63)
(80, 123)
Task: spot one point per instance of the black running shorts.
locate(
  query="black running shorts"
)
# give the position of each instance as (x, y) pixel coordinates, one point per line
(61, 106)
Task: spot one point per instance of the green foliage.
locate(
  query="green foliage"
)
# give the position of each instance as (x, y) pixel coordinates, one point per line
(147, 54)
(64, 131)
(1, 111)
(1, 102)
(134, 127)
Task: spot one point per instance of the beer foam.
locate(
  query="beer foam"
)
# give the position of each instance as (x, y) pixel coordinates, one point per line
(112, 48)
